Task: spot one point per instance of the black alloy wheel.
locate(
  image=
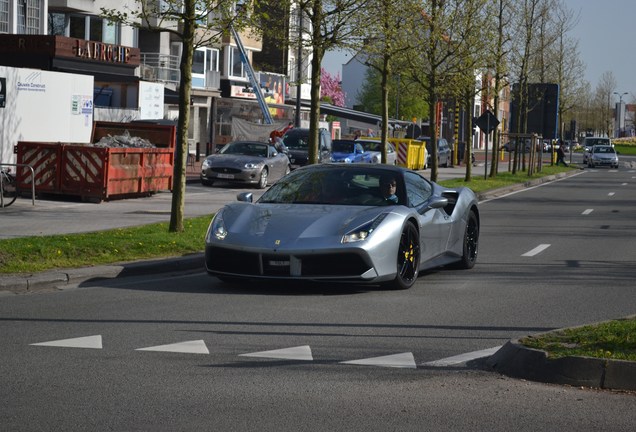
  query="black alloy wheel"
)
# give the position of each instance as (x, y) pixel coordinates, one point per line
(471, 243)
(408, 258)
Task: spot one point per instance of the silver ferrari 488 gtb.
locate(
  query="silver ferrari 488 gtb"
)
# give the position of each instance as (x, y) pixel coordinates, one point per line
(347, 223)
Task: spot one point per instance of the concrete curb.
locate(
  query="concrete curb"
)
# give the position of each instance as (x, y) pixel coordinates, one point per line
(517, 360)
(495, 193)
(58, 279)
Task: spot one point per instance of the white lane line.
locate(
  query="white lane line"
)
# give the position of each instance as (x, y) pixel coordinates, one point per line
(611, 194)
(189, 347)
(403, 360)
(463, 358)
(623, 184)
(536, 250)
(94, 342)
(587, 211)
(294, 353)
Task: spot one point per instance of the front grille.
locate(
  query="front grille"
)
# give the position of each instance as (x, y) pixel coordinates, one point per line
(284, 266)
(225, 170)
(232, 261)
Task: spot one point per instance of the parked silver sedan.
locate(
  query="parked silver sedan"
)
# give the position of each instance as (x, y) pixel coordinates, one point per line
(246, 162)
(373, 151)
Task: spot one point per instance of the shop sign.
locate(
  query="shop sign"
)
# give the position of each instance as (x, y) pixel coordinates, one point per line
(102, 51)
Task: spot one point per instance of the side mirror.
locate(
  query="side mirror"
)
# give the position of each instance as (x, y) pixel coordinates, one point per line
(245, 197)
(437, 202)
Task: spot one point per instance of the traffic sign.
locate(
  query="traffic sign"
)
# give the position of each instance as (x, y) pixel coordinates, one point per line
(487, 122)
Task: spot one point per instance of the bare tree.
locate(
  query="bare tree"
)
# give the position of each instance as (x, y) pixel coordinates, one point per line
(528, 14)
(386, 39)
(447, 34)
(603, 94)
(330, 24)
(195, 23)
(568, 67)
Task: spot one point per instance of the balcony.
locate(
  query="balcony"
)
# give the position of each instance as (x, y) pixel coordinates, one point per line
(160, 67)
(165, 68)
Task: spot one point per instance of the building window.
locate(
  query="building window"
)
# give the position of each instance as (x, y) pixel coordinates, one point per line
(4, 16)
(77, 27)
(236, 64)
(93, 28)
(57, 24)
(198, 61)
(204, 60)
(29, 16)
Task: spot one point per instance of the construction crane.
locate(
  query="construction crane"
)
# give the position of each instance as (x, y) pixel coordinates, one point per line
(250, 73)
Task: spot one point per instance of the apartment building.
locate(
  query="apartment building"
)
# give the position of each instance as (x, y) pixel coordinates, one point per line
(221, 88)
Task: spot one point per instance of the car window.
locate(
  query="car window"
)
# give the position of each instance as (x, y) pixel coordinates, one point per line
(343, 146)
(596, 141)
(603, 149)
(418, 190)
(371, 145)
(296, 141)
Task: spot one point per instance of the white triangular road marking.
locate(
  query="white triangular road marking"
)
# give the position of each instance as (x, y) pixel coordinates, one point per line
(94, 342)
(463, 358)
(189, 347)
(294, 353)
(403, 360)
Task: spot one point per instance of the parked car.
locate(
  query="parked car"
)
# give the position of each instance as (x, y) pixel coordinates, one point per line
(346, 151)
(297, 142)
(602, 155)
(373, 151)
(332, 222)
(247, 162)
(444, 154)
(527, 145)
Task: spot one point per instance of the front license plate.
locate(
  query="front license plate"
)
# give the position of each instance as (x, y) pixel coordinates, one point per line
(225, 176)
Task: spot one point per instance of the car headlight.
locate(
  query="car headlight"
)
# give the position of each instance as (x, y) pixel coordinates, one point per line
(251, 165)
(217, 228)
(206, 164)
(363, 232)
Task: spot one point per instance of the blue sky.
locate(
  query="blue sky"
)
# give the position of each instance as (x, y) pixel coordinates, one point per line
(606, 31)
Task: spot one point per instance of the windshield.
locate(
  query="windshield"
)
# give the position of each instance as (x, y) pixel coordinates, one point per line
(596, 141)
(603, 149)
(337, 187)
(371, 145)
(296, 141)
(245, 148)
(342, 146)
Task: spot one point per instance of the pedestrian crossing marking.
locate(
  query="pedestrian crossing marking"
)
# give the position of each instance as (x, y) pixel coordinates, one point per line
(188, 347)
(93, 342)
(403, 360)
(295, 353)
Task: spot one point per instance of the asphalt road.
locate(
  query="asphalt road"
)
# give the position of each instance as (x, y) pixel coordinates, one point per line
(186, 352)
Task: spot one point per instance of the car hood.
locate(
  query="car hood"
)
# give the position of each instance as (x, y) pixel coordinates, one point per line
(277, 225)
(232, 160)
(342, 155)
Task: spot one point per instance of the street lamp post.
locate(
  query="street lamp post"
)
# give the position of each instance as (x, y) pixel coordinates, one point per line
(620, 115)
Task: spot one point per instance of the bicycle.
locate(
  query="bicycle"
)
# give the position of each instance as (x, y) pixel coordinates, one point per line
(8, 187)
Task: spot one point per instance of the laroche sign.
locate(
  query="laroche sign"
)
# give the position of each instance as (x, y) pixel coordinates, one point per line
(102, 52)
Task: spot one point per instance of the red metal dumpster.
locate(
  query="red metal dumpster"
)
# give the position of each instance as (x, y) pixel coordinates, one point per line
(100, 173)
